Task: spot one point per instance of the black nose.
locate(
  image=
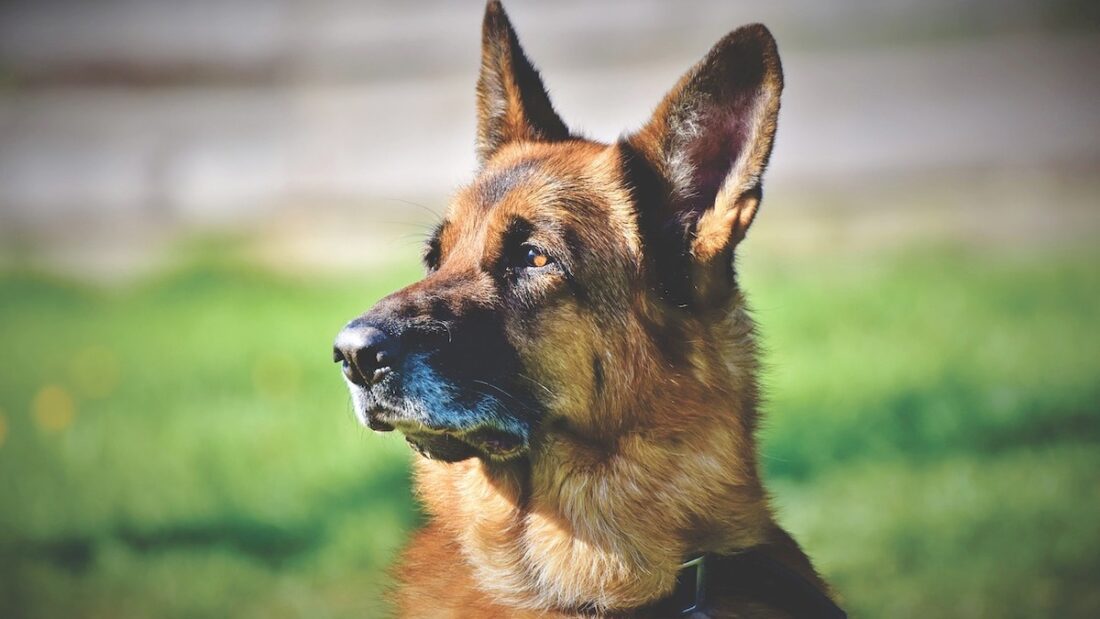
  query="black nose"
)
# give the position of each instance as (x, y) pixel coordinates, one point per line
(366, 352)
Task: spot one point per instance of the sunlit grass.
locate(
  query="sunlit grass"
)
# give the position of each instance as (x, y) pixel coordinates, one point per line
(184, 448)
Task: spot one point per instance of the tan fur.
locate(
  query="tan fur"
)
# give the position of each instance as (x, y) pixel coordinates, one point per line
(650, 462)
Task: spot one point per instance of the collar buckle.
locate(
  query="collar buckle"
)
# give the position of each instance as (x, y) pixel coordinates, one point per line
(694, 592)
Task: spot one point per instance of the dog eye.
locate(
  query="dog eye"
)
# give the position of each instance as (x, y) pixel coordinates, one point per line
(534, 257)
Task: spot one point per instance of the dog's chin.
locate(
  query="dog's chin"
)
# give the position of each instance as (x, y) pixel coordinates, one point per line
(448, 444)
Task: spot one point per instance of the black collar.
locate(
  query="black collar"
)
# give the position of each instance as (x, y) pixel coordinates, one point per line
(751, 574)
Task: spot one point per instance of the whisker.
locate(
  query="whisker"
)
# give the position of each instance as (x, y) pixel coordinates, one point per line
(544, 387)
(416, 204)
(407, 240)
(426, 227)
(505, 394)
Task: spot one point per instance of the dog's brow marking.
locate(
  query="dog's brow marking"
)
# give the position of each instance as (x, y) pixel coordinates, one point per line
(497, 185)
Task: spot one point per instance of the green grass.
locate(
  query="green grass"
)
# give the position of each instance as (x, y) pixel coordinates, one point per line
(183, 447)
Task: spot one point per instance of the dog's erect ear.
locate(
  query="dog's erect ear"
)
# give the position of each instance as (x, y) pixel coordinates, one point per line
(512, 103)
(710, 138)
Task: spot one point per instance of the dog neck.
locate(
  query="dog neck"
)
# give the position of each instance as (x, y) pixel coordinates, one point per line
(583, 526)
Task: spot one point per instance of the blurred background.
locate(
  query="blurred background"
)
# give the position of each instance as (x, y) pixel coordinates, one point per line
(195, 196)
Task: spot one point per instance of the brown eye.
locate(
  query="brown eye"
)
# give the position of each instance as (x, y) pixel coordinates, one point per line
(535, 258)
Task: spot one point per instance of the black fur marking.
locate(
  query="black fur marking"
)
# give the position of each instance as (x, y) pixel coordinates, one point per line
(433, 250)
(665, 235)
(576, 251)
(497, 185)
(597, 375)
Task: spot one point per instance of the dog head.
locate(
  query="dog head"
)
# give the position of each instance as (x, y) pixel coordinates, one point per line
(571, 280)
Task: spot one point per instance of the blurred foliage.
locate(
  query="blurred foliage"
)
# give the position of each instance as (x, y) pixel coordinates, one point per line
(183, 447)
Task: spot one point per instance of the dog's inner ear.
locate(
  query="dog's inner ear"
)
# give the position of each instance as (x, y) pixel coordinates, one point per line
(512, 103)
(709, 141)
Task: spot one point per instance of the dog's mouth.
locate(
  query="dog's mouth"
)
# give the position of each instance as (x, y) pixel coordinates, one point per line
(451, 444)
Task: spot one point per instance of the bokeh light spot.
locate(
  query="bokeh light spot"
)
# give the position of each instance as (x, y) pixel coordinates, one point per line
(3, 427)
(54, 408)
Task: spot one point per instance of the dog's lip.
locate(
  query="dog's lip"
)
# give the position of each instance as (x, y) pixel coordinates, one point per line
(378, 419)
(443, 447)
(487, 439)
(496, 442)
(378, 425)
(491, 442)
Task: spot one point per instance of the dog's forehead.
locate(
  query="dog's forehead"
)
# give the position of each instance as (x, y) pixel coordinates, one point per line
(531, 176)
(572, 184)
(492, 186)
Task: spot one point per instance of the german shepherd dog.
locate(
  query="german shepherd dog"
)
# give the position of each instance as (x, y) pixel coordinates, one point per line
(578, 368)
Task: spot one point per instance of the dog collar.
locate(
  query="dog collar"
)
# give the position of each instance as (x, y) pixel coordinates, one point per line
(691, 586)
(751, 574)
